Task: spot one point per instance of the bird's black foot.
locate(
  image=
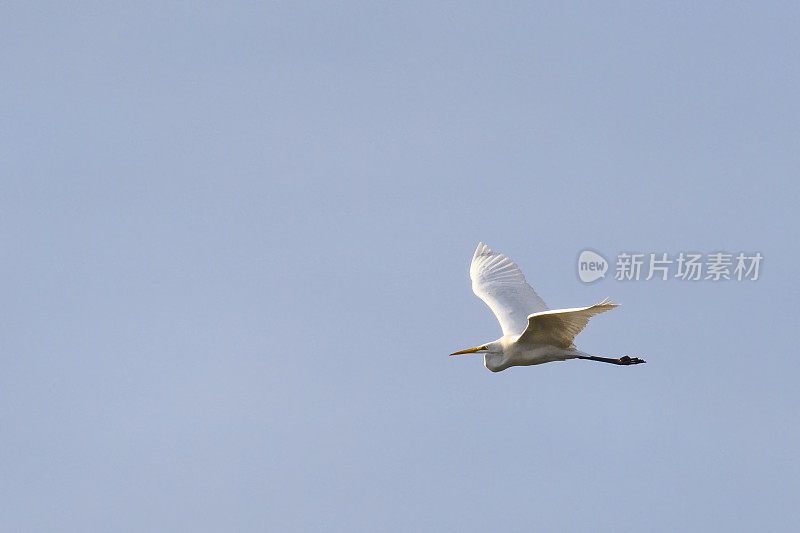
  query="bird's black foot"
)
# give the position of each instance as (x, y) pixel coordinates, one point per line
(625, 360)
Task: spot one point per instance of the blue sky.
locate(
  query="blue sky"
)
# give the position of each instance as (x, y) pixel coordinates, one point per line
(237, 239)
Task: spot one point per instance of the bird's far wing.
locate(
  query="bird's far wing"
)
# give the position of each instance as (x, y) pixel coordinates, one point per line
(560, 326)
(499, 282)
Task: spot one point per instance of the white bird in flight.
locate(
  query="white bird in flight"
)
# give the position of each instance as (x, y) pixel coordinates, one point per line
(532, 334)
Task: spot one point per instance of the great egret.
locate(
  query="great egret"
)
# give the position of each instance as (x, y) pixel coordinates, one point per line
(532, 334)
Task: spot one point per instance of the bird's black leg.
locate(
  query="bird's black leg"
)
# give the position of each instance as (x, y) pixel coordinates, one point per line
(624, 360)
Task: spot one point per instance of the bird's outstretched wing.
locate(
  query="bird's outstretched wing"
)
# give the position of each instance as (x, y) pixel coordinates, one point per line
(560, 326)
(499, 282)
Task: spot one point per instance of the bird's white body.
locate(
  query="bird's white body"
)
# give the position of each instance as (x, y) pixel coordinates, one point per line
(532, 334)
(512, 353)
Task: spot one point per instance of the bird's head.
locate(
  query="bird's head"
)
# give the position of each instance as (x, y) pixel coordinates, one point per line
(491, 347)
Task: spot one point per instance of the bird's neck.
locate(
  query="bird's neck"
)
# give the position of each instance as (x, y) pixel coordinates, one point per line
(494, 362)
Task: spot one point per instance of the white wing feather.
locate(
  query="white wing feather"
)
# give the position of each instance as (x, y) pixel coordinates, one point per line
(499, 282)
(560, 326)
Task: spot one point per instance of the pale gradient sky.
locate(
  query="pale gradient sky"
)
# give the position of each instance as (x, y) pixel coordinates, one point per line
(236, 241)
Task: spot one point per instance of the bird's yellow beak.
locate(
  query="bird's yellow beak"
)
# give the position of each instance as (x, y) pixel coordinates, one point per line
(471, 350)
